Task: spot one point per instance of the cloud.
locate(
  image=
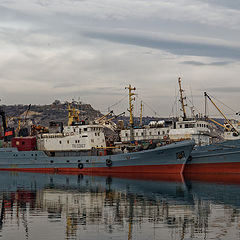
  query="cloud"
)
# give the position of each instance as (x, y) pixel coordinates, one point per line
(196, 63)
(92, 48)
(175, 46)
(228, 4)
(234, 89)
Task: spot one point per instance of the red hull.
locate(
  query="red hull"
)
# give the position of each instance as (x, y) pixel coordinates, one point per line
(155, 169)
(231, 167)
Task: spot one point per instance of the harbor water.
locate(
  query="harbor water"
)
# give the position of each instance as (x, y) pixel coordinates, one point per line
(53, 206)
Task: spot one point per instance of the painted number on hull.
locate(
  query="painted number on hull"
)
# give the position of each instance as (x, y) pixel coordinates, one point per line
(78, 145)
(180, 155)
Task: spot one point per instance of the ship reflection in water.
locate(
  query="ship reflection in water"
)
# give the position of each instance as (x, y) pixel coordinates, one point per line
(45, 206)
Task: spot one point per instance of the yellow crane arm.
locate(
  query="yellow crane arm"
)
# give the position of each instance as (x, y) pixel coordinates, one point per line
(205, 94)
(104, 116)
(219, 124)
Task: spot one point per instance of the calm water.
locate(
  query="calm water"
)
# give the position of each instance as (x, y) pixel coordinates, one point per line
(44, 206)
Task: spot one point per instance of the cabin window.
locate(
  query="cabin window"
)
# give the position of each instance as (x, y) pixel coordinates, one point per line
(60, 142)
(92, 140)
(75, 141)
(142, 133)
(163, 132)
(85, 129)
(74, 130)
(79, 131)
(68, 141)
(186, 125)
(180, 126)
(136, 134)
(150, 133)
(158, 133)
(23, 142)
(126, 134)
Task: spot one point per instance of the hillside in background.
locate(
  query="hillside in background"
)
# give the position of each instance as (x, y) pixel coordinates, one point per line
(43, 114)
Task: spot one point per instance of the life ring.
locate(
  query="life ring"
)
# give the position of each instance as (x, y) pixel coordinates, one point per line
(72, 133)
(80, 166)
(67, 134)
(165, 137)
(109, 162)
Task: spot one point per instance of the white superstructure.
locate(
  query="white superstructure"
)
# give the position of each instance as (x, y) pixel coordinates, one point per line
(231, 134)
(191, 129)
(73, 138)
(154, 131)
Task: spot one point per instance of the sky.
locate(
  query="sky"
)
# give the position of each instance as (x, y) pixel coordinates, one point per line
(90, 50)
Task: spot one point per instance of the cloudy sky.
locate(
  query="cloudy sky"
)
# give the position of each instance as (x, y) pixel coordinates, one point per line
(91, 49)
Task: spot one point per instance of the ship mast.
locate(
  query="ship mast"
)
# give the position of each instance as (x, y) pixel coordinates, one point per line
(141, 111)
(131, 98)
(182, 99)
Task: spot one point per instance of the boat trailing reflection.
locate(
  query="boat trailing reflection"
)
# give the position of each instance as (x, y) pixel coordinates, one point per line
(110, 207)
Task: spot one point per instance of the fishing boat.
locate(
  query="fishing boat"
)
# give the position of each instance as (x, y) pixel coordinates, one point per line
(81, 147)
(171, 130)
(221, 157)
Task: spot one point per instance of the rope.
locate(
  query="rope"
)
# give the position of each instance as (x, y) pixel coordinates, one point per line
(222, 103)
(156, 114)
(118, 102)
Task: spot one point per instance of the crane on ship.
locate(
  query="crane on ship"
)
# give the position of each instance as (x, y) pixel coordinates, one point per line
(108, 122)
(73, 115)
(229, 127)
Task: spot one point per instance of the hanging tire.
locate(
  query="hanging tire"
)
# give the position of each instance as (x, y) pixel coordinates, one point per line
(109, 162)
(80, 166)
